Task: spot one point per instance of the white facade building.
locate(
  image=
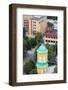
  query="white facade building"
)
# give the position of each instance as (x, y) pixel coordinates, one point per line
(51, 41)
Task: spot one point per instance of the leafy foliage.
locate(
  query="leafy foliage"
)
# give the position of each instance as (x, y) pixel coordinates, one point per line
(52, 17)
(33, 42)
(29, 66)
(55, 69)
(52, 53)
(33, 71)
(50, 24)
(38, 38)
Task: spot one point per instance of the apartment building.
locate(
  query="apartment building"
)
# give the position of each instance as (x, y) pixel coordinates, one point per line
(50, 37)
(27, 24)
(34, 24)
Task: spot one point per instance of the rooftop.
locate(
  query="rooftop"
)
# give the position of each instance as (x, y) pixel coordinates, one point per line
(42, 49)
(51, 33)
(38, 18)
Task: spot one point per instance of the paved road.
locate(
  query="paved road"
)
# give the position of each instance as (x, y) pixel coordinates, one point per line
(29, 56)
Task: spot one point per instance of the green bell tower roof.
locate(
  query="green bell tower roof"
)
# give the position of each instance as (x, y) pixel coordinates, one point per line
(42, 49)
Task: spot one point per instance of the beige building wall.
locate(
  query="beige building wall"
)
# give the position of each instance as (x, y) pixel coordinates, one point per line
(28, 19)
(43, 25)
(30, 27)
(35, 26)
(38, 27)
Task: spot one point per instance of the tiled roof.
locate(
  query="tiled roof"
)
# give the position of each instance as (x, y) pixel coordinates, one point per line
(35, 18)
(51, 34)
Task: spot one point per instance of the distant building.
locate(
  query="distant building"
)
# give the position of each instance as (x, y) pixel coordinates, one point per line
(54, 22)
(34, 24)
(43, 24)
(50, 37)
(27, 24)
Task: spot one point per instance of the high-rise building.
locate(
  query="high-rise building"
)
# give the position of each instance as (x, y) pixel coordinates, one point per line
(43, 24)
(27, 24)
(34, 24)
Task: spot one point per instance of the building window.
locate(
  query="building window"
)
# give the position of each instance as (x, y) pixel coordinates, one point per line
(34, 28)
(51, 41)
(34, 22)
(34, 32)
(48, 40)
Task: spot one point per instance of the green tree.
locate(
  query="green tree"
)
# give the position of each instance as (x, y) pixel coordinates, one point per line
(52, 17)
(33, 42)
(55, 69)
(38, 38)
(33, 71)
(29, 44)
(52, 53)
(50, 24)
(24, 44)
(29, 66)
